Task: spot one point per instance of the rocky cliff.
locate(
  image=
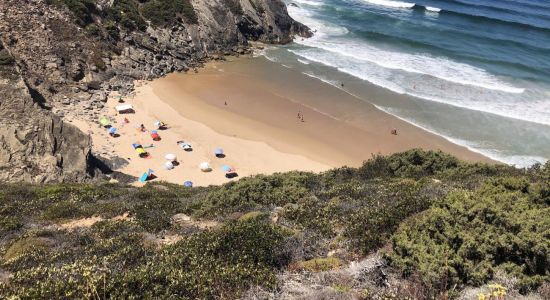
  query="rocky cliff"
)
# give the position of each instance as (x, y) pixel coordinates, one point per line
(67, 55)
(36, 145)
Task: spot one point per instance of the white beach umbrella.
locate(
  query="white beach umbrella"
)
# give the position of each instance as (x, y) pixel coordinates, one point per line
(205, 167)
(186, 146)
(168, 165)
(170, 157)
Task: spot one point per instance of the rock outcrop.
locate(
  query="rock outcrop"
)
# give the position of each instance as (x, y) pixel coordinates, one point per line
(35, 145)
(65, 68)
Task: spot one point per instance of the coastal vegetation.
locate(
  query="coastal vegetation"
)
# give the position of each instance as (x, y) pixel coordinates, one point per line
(134, 14)
(440, 225)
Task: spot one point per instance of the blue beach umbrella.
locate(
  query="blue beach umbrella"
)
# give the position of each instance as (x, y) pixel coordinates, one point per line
(218, 151)
(112, 130)
(227, 168)
(188, 184)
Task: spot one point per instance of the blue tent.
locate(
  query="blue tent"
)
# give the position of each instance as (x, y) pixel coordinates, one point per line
(137, 146)
(188, 184)
(146, 176)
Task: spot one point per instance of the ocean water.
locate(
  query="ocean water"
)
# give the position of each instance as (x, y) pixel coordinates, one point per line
(476, 72)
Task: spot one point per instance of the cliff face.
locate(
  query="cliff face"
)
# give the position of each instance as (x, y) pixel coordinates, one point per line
(68, 58)
(35, 145)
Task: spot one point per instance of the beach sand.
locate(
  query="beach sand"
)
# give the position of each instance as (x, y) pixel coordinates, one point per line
(249, 107)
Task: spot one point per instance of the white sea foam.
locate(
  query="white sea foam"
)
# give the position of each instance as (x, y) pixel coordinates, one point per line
(309, 2)
(305, 62)
(433, 9)
(536, 108)
(521, 161)
(388, 3)
(423, 64)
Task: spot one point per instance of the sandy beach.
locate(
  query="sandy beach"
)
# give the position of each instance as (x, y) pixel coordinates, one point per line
(250, 107)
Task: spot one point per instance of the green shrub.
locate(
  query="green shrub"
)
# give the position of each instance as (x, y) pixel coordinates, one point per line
(166, 12)
(10, 223)
(414, 163)
(318, 264)
(24, 246)
(83, 10)
(62, 210)
(466, 237)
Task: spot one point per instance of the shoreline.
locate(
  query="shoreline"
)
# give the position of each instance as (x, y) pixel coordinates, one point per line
(232, 105)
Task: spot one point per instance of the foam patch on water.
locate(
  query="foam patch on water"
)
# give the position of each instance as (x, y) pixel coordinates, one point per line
(388, 3)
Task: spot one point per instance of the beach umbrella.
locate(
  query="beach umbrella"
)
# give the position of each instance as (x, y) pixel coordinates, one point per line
(136, 145)
(155, 135)
(227, 169)
(186, 146)
(218, 151)
(205, 167)
(170, 157)
(104, 122)
(111, 130)
(157, 124)
(188, 184)
(168, 165)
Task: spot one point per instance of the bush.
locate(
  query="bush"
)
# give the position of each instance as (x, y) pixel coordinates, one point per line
(166, 12)
(318, 264)
(24, 246)
(414, 163)
(466, 237)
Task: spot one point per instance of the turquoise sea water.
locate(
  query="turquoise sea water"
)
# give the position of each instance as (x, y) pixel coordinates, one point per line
(474, 71)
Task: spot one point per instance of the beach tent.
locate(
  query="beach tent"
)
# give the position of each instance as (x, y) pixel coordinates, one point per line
(188, 184)
(146, 176)
(112, 131)
(168, 165)
(124, 109)
(155, 136)
(205, 167)
(136, 145)
(186, 146)
(170, 157)
(218, 152)
(104, 122)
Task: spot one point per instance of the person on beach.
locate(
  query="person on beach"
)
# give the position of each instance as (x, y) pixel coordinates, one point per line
(142, 128)
(225, 103)
(394, 131)
(126, 121)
